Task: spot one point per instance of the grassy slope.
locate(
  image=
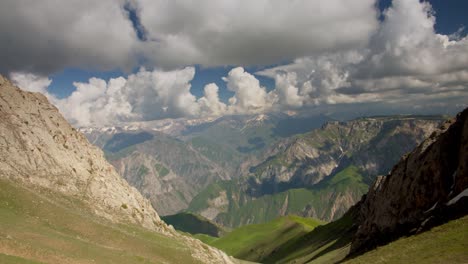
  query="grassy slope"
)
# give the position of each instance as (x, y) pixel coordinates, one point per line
(193, 224)
(447, 243)
(48, 227)
(13, 259)
(254, 242)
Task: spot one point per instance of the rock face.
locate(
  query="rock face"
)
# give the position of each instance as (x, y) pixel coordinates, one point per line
(427, 187)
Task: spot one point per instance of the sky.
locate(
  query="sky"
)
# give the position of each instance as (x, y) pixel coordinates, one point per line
(109, 62)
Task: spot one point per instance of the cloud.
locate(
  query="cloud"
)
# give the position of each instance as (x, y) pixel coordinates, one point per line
(210, 105)
(312, 81)
(287, 91)
(406, 63)
(249, 97)
(43, 37)
(97, 103)
(151, 95)
(145, 95)
(246, 32)
(31, 82)
(342, 59)
(407, 44)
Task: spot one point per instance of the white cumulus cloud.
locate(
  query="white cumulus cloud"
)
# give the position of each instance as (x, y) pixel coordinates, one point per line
(151, 95)
(249, 95)
(31, 82)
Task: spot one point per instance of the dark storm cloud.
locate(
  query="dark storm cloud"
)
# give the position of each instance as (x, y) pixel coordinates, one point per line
(46, 36)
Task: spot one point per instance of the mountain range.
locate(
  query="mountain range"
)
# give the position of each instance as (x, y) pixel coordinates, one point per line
(170, 169)
(251, 169)
(320, 174)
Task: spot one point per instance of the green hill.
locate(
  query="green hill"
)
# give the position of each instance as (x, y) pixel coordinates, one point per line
(48, 227)
(255, 242)
(193, 224)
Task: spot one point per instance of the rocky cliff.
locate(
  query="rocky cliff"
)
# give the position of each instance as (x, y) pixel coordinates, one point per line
(427, 187)
(40, 150)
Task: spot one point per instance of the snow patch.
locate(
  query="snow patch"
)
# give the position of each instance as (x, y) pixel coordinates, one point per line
(454, 177)
(432, 208)
(458, 197)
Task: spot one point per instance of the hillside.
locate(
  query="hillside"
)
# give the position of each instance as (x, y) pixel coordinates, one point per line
(193, 224)
(255, 242)
(319, 174)
(69, 193)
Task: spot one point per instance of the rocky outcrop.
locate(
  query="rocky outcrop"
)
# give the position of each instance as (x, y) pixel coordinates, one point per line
(427, 187)
(41, 150)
